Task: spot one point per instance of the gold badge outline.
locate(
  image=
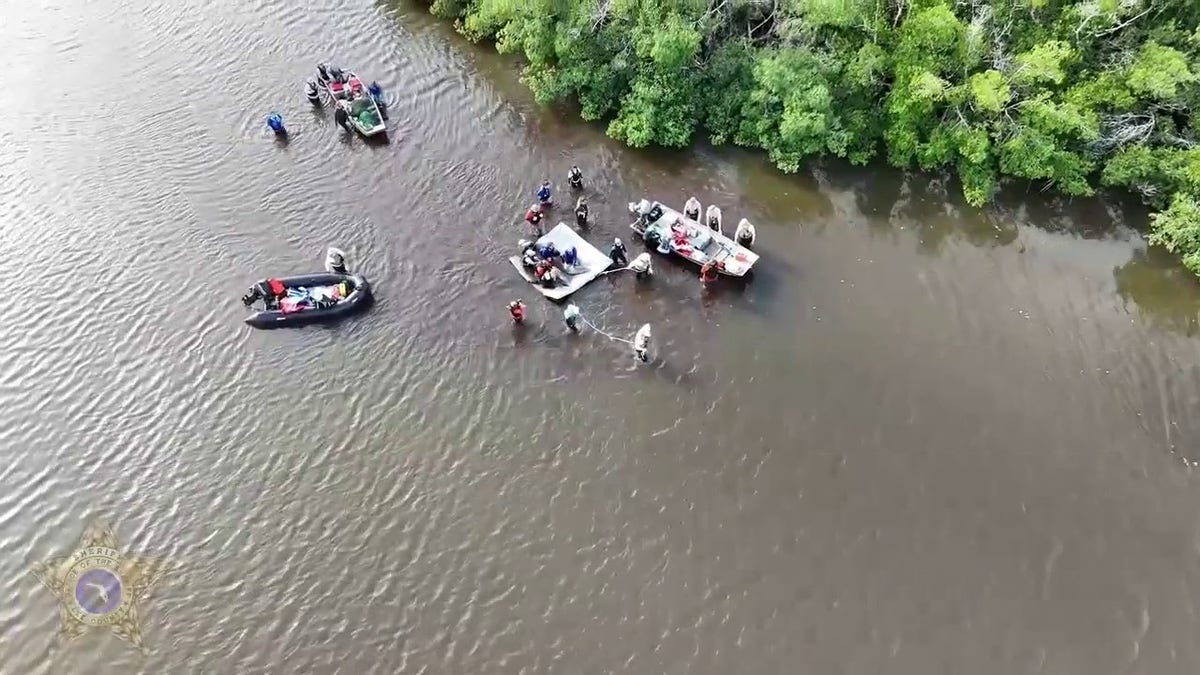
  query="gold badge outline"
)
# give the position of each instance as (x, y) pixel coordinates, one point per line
(99, 548)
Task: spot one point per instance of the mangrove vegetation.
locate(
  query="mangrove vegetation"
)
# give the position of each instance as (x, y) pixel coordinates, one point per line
(1069, 95)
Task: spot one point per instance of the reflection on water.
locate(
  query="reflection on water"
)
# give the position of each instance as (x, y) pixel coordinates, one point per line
(924, 438)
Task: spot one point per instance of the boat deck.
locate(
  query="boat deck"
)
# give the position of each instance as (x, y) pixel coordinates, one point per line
(592, 262)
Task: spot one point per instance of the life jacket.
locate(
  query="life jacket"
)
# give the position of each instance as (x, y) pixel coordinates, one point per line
(276, 287)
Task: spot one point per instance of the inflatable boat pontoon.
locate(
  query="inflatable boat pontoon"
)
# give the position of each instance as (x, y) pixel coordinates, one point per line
(301, 303)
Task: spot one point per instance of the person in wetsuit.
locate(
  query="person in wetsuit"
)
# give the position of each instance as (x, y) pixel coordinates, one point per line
(581, 212)
(617, 253)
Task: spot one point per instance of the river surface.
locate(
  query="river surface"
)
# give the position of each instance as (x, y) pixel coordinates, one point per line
(924, 439)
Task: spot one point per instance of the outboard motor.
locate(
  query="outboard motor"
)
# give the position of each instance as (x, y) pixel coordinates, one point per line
(275, 122)
(312, 93)
(252, 295)
(335, 261)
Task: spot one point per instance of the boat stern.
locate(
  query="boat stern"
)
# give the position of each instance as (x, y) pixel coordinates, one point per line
(739, 262)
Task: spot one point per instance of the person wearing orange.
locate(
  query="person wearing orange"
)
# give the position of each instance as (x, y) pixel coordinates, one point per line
(516, 309)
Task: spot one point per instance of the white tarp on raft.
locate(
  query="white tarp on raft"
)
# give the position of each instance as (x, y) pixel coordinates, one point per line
(591, 262)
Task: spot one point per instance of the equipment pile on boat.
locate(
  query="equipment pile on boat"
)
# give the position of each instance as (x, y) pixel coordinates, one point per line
(668, 231)
(560, 262)
(356, 105)
(298, 300)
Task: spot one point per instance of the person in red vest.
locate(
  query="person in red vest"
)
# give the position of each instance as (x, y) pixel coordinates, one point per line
(708, 273)
(275, 292)
(534, 217)
(516, 308)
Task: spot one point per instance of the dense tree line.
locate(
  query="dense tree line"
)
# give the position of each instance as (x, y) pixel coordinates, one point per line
(1068, 94)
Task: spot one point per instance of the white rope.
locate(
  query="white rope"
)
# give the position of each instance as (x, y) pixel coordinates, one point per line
(619, 269)
(607, 335)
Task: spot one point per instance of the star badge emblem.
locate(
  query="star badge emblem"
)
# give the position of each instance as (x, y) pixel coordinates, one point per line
(99, 587)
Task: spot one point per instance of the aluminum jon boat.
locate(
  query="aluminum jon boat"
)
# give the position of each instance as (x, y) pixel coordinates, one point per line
(669, 231)
(591, 264)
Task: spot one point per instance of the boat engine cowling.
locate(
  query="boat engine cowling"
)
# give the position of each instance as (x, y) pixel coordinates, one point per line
(253, 294)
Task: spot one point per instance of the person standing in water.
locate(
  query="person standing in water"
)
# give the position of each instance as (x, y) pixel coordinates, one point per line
(641, 343)
(544, 194)
(641, 266)
(617, 253)
(581, 212)
(575, 178)
(534, 217)
(516, 309)
(571, 318)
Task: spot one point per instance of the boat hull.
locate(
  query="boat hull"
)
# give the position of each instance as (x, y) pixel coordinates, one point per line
(359, 299)
(343, 96)
(735, 260)
(592, 263)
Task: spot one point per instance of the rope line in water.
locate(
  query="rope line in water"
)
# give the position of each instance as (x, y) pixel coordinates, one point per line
(607, 335)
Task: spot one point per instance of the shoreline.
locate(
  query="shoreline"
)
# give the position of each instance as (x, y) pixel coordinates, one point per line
(893, 95)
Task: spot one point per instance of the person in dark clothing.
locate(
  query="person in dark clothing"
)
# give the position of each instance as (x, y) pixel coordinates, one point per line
(341, 117)
(581, 212)
(617, 253)
(575, 178)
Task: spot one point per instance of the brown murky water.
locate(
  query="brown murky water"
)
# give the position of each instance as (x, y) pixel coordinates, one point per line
(923, 440)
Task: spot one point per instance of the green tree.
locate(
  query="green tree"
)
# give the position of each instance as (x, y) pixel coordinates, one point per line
(1063, 93)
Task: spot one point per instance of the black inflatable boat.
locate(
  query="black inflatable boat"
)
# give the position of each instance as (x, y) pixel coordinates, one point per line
(273, 315)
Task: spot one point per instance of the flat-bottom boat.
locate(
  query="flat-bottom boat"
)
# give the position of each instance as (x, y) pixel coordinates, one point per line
(590, 262)
(350, 94)
(669, 231)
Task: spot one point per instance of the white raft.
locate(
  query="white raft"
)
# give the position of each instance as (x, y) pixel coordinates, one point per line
(592, 262)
